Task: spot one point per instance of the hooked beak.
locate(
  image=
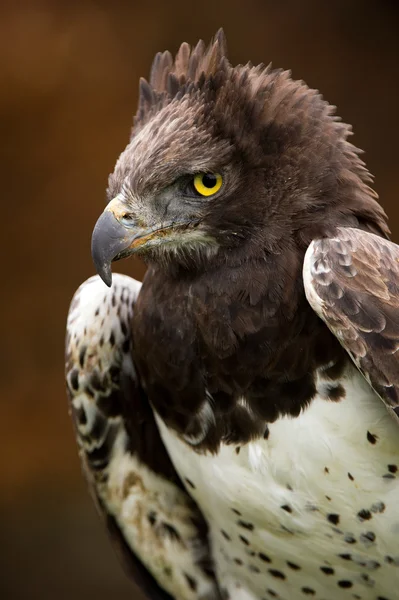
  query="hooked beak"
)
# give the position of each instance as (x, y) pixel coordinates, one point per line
(116, 235)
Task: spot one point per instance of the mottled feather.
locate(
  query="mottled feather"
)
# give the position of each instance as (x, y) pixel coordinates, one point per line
(158, 531)
(352, 282)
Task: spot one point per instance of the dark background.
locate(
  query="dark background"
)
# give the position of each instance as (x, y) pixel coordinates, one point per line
(68, 83)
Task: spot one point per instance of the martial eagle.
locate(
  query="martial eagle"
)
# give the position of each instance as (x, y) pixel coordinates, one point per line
(236, 413)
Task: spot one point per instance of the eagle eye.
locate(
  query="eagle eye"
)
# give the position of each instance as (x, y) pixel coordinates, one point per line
(207, 184)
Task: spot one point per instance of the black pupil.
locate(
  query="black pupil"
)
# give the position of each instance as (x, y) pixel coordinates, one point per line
(209, 180)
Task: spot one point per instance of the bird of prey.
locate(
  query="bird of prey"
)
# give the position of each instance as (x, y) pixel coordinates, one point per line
(237, 413)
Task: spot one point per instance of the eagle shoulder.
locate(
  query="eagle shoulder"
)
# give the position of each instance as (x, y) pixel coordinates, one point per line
(352, 282)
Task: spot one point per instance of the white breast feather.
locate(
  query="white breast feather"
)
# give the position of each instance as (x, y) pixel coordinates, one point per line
(288, 486)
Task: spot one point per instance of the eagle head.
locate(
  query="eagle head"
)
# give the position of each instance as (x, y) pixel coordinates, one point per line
(225, 163)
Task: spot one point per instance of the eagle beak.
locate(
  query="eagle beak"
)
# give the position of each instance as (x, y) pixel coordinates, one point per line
(115, 236)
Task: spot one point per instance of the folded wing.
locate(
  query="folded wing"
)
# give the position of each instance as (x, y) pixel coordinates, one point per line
(352, 282)
(159, 531)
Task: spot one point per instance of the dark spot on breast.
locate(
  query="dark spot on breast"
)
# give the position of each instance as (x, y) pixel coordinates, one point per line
(351, 477)
(364, 515)
(326, 470)
(245, 524)
(287, 508)
(99, 455)
(349, 538)
(167, 571)
(192, 583)
(97, 312)
(74, 379)
(98, 428)
(80, 415)
(369, 564)
(98, 458)
(82, 355)
(238, 561)
(112, 339)
(345, 556)
(266, 434)
(126, 345)
(392, 468)
(371, 437)
(123, 327)
(264, 557)
(244, 540)
(388, 476)
(337, 530)
(367, 537)
(293, 566)
(377, 507)
(345, 583)
(114, 373)
(171, 532)
(328, 498)
(238, 449)
(237, 512)
(307, 590)
(327, 570)
(96, 382)
(101, 342)
(190, 483)
(335, 393)
(89, 392)
(152, 517)
(333, 518)
(254, 569)
(272, 593)
(277, 574)
(225, 535)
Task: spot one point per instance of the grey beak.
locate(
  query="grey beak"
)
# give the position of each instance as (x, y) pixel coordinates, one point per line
(110, 238)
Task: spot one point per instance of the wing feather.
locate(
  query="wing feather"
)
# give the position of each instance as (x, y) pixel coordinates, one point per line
(158, 530)
(352, 283)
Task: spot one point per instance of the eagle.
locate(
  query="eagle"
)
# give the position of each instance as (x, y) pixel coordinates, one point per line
(237, 413)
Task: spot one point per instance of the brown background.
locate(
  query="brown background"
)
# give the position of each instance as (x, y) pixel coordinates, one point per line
(68, 82)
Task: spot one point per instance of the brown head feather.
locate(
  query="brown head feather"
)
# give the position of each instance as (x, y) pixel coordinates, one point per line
(169, 77)
(257, 116)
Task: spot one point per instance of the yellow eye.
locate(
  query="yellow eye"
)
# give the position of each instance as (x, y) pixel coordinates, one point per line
(208, 184)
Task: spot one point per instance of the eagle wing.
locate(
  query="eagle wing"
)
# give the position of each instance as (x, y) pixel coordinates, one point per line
(159, 531)
(352, 282)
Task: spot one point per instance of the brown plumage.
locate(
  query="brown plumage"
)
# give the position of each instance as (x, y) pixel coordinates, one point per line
(356, 276)
(225, 337)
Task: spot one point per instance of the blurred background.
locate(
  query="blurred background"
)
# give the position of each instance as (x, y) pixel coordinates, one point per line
(68, 82)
